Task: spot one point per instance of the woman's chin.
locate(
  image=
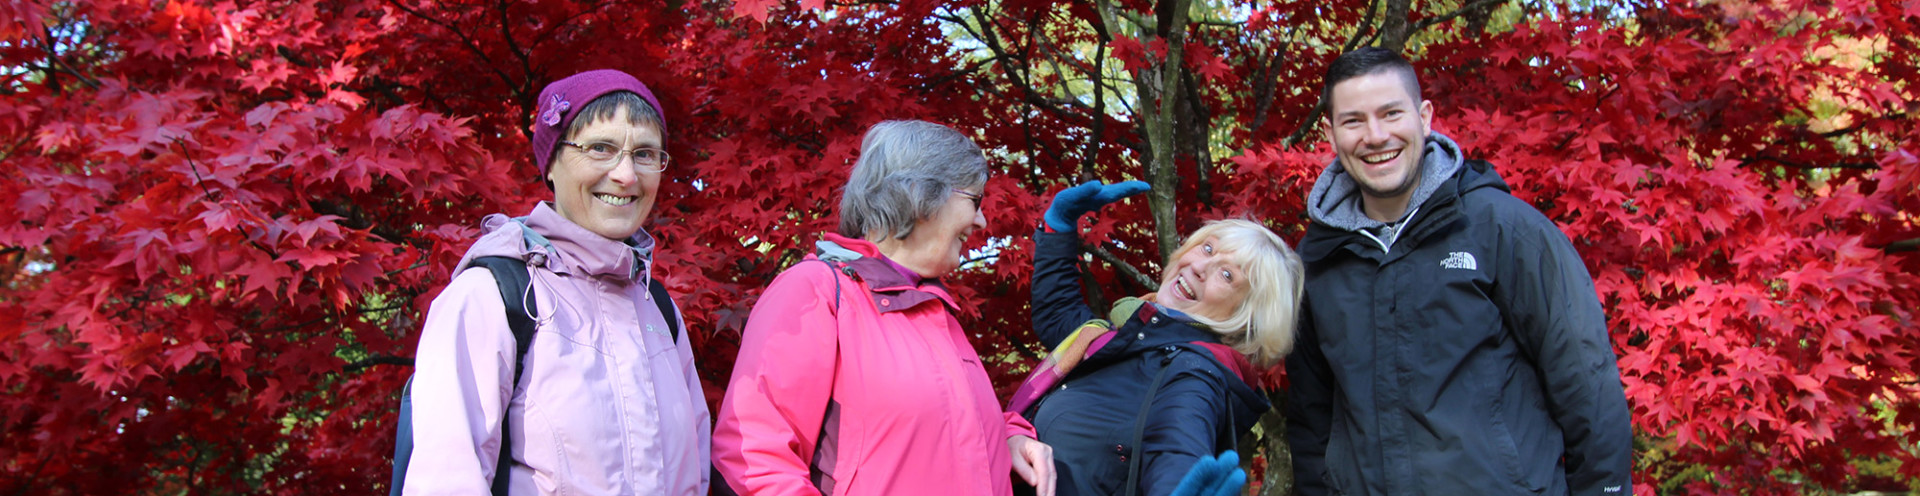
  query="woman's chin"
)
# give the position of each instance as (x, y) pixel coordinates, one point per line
(1166, 297)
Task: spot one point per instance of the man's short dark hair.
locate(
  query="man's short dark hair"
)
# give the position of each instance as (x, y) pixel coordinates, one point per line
(1368, 61)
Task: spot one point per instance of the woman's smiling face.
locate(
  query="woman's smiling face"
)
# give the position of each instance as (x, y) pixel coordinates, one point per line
(1204, 282)
(611, 201)
(934, 247)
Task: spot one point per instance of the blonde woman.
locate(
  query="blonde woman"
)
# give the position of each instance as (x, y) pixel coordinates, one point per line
(1165, 379)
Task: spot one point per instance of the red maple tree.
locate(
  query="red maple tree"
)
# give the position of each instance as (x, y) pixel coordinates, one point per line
(228, 216)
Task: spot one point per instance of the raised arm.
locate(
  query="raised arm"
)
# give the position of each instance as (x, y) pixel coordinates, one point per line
(1058, 308)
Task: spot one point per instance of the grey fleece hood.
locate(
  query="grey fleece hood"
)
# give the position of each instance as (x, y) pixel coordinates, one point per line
(1335, 200)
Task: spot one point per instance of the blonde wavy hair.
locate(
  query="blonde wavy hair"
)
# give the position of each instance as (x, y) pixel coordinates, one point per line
(1262, 327)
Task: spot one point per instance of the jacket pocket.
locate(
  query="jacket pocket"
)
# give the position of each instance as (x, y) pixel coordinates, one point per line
(1503, 442)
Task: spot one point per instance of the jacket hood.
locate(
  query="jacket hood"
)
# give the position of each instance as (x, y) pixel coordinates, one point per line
(1335, 199)
(892, 289)
(544, 238)
(1436, 207)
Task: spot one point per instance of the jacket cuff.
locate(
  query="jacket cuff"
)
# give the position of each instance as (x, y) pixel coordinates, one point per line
(1018, 426)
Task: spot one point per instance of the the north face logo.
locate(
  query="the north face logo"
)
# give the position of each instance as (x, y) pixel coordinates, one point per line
(1459, 260)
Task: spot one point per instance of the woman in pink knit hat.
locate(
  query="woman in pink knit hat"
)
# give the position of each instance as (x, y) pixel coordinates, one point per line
(602, 397)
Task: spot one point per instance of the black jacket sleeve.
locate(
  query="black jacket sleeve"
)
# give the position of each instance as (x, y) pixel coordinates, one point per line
(1183, 422)
(1309, 406)
(1548, 301)
(1058, 308)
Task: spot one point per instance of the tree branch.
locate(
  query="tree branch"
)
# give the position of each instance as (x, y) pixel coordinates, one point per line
(526, 65)
(205, 193)
(54, 55)
(1200, 131)
(1320, 107)
(1015, 75)
(1463, 10)
(1218, 24)
(471, 46)
(1902, 246)
(1099, 124)
(381, 359)
(1266, 82)
(1122, 266)
(1394, 28)
(1868, 165)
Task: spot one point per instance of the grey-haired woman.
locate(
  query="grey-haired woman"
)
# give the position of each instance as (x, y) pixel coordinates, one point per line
(853, 376)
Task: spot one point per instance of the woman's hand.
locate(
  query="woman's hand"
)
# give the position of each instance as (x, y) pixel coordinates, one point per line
(1071, 203)
(1033, 460)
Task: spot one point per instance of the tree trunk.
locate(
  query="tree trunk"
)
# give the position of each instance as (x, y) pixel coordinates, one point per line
(1162, 172)
(1273, 443)
(1395, 27)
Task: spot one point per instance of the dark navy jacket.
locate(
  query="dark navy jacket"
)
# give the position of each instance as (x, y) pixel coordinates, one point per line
(1090, 419)
(1470, 358)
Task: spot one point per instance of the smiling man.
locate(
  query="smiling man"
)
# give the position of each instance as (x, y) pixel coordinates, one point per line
(1451, 340)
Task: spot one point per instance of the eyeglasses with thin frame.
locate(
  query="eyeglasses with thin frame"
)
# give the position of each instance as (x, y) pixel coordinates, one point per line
(971, 196)
(607, 156)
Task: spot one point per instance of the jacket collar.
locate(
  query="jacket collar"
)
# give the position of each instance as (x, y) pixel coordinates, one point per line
(890, 289)
(575, 250)
(1140, 333)
(1141, 325)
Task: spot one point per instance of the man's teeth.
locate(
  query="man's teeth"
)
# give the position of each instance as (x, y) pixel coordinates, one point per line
(1380, 157)
(614, 200)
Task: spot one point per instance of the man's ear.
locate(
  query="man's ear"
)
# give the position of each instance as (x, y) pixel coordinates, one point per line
(1326, 129)
(1426, 117)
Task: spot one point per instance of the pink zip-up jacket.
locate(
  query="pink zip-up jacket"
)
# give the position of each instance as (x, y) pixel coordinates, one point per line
(857, 385)
(609, 403)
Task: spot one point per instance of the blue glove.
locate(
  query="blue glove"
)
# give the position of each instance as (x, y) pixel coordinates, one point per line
(1213, 477)
(1071, 203)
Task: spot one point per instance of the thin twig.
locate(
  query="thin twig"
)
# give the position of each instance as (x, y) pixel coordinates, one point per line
(1469, 7)
(376, 360)
(1801, 165)
(197, 180)
(1320, 107)
(53, 55)
(471, 45)
(1122, 266)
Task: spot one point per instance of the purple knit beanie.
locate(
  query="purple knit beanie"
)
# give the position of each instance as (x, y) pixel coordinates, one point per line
(563, 99)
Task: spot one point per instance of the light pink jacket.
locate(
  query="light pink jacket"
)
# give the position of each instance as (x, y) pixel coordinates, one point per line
(609, 403)
(873, 391)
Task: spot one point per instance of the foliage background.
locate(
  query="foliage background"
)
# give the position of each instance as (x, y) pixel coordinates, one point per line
(223, 220)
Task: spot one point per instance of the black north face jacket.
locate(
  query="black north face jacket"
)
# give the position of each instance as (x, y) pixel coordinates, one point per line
(1470, 358)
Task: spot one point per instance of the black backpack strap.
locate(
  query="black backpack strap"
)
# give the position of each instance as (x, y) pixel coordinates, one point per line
(660, 298)
(514, 281)
(1140, 421)
(402, 440)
